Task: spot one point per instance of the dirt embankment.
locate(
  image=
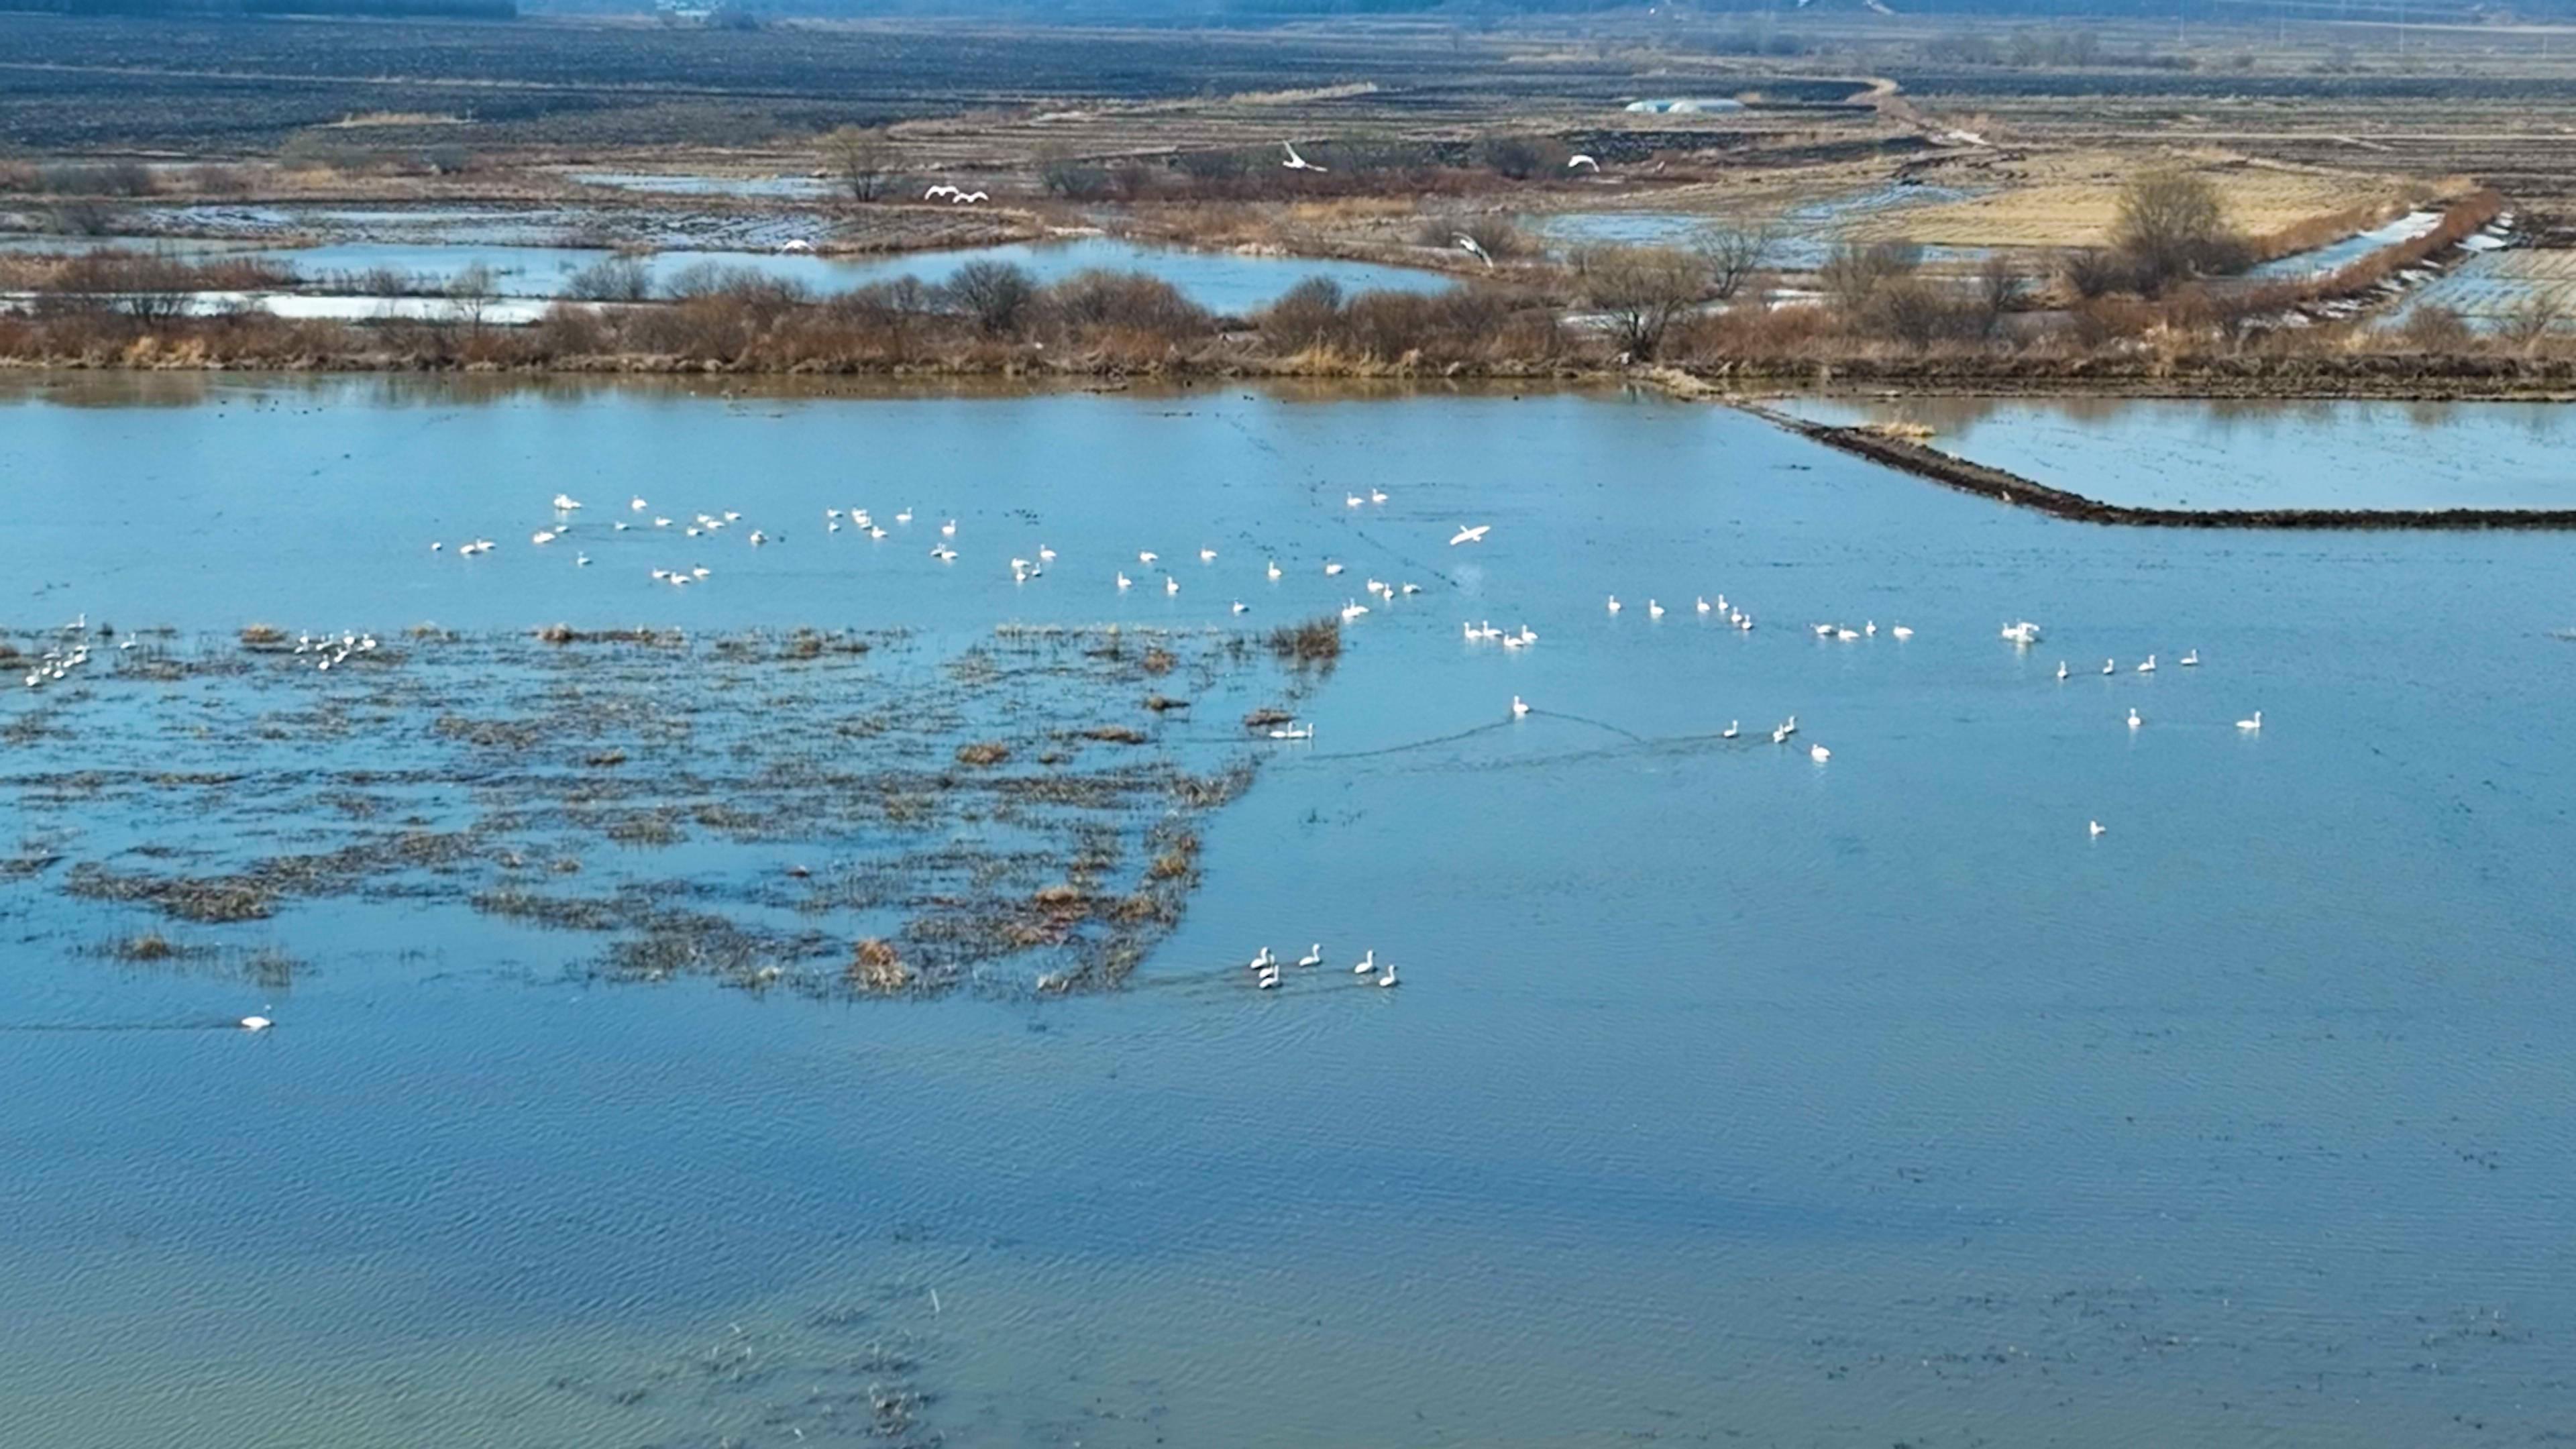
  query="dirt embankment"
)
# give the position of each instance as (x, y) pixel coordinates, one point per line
(1969, 477)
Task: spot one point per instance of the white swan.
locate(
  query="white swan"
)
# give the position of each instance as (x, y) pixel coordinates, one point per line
(1733, 728)
(1368, 963)
(1700, 603)
(1171, 585)
(1614, 603)
(2134, 721)
(1902, 631)
(1654, 610)
(1125, 582)
(1264, 960)
(2093, 827)
(1352, 500)
(2108, 667)
(1332, 569)
(2061, 669)
(1314, 955)
(1269, 978)
(1207, 555)
(1581, 159)
(1819, 753)
(2190, 659)
(1377, 495)
(1519, 707)
(1466, 534)
(1387, 976)
(2149, 667)
(256, 1023)
(1147, 557)
(2255, 723)
(1273, 571)
(1296, 162)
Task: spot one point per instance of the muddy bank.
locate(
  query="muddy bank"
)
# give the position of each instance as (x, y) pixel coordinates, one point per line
(1970, 477)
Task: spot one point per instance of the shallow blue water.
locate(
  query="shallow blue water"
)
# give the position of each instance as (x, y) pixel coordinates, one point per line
(1228, 283)
(2182, 453)
(1729, 1095)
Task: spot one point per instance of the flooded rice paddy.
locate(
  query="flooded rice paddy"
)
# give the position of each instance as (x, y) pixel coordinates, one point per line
(1728, 1094)
(2173, 453)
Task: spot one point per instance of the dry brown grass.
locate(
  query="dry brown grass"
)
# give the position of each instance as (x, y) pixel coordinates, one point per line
(983, 753)
(876, 966)
(2071, 200)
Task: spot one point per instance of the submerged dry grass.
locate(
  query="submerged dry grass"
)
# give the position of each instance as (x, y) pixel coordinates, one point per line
(825, 812)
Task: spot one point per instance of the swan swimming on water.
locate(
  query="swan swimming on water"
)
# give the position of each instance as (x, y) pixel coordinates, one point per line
(1819, 753)
(2061, 669)
(256, 1023)
(2190, 659)
(1519, 708)
(2093, 827)
(2134, 721)
(1733, 728)
(1314, 955)
(1368, 963)
(2108, 667)
(1614, 603)
(2149, 667)
(2255, 723)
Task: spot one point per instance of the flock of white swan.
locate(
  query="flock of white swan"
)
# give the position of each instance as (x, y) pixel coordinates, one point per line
(1266, 967)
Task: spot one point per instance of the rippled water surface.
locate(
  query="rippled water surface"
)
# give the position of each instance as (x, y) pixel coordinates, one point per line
(1728, 1095)
(2166, 453)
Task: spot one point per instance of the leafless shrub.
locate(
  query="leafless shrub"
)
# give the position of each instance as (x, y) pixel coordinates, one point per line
(1854, 271)
(2171, 226)
(612, 279)
(1642, 290)
(995, 295)
(1733, 254)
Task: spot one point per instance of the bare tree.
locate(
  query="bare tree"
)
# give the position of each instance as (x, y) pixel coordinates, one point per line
(612, 279)
(2531, 319)
(2172, 225)
(1643, 291)
(470, 295)
(865, 158)
(996, 295)
(2000, 288)
(1854, 271)
(1734, 252)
